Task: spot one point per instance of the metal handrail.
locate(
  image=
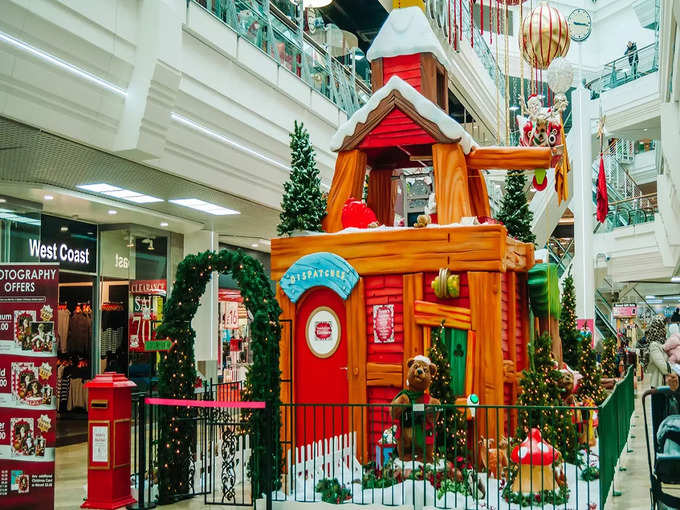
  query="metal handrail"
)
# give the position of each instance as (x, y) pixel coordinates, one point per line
(645, 61)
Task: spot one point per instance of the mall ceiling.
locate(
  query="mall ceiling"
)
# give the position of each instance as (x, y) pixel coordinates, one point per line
(34, 159)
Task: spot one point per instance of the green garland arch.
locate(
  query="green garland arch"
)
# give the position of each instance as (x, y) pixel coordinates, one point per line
(177, 371)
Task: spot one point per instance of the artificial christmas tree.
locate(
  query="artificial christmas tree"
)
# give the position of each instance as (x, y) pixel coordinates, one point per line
(540, 387)
(592, 375)
(515, 213)
(610, 365)
(571, 340)
(303, 206)
(451, 425)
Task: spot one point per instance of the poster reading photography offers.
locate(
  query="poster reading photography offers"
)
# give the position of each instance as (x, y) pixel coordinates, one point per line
(28, 379)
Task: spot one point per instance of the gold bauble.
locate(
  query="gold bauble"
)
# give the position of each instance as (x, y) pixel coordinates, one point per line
(544, 36)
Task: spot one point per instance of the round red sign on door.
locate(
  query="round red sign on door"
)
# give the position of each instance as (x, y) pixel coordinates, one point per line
(323, 332)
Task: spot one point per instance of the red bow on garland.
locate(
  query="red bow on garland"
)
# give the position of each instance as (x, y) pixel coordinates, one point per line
(602, 201)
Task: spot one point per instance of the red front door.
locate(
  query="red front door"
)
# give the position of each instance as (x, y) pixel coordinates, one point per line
(320, 366)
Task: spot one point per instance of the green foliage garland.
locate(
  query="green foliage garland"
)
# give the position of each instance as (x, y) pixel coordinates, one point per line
(451, 426)
(540, 387)
(303, 205)
(332, 491)
(557, 497)
(568, 328)
(515, 213)
(177, 372)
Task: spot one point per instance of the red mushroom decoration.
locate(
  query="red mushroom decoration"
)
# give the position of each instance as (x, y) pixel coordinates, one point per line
(535, 458)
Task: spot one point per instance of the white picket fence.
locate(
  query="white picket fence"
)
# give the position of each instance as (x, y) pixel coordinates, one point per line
(333, 457)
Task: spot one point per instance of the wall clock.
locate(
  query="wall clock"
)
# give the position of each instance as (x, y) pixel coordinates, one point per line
(580, 25)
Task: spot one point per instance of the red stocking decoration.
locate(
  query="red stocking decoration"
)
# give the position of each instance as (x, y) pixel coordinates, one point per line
(602, 201)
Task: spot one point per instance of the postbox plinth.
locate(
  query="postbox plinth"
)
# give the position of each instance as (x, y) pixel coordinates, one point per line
(108, 446)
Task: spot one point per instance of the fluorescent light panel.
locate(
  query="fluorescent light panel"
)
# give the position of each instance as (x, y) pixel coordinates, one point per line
(56, 61)
(121, 193)
(200, 205)
(217, 136)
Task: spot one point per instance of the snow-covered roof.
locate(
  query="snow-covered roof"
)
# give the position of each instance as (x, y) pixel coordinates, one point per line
(407, 32)
(426, 108)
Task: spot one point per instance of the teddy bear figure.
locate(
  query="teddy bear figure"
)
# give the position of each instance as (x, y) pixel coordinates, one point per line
(415, 427)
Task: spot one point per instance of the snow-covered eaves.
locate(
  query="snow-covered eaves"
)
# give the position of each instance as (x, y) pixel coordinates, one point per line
(407, 32)
(425, 108)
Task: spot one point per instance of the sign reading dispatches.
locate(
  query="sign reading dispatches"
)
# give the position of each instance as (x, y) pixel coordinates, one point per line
(321, 269)
(323, 332)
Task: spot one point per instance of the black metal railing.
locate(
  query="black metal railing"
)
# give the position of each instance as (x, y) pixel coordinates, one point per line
(442, 456)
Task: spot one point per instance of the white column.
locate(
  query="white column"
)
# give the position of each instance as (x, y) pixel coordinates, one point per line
(582, 204)
(205, 320)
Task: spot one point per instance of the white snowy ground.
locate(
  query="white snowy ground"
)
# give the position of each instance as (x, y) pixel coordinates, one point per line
(423, 496)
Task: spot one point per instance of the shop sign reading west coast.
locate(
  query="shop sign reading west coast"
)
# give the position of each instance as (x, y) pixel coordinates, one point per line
(71, 244)
(321, 269)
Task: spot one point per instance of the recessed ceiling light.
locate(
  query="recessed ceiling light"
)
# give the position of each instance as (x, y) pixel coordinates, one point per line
(3, 200)
(255, 245)
(121, 193)
(650, 297)
(48, 197)
(164, 223)
(64, 228)
(200, 205)
(113, 211)
(646, 129)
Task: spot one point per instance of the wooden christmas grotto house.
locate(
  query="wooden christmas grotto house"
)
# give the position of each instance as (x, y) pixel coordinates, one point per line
(358, 303)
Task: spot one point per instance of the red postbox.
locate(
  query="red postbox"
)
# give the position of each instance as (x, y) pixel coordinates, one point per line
(108, 451)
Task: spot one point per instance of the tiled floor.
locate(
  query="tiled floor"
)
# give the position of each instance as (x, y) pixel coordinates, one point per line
(633, 482)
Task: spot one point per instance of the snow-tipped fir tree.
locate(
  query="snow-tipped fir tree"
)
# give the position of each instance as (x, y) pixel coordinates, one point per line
(303, 205)
(515, 213)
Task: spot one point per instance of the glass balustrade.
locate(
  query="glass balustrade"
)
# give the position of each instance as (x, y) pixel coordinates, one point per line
(273, 28)
(625, 69)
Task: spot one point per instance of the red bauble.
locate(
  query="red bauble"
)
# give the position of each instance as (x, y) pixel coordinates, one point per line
(357, 214)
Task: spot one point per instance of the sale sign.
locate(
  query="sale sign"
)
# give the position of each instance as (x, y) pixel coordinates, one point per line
(147, 298)
(28, 380)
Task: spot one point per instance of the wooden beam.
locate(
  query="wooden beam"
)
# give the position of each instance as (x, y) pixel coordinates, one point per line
(348, 181)
(377, 74)
(509, 158)
(450, 183)
(402, 251)
(355, 308)
(485, 303)
(413, 338)
(383, 374)
(432, 314)
(285, 347)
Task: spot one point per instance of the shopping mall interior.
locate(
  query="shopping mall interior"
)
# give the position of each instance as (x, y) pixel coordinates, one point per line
(379, 253)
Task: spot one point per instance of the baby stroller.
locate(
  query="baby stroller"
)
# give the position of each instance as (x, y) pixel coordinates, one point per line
(664, 464)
